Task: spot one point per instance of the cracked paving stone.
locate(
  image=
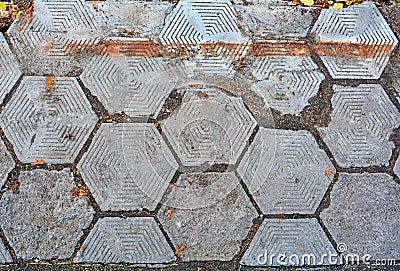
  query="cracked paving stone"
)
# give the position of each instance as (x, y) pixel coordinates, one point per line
(354, 42)
(290, 237)
(43, 220)
(48, 119)
(6, 163)
(363, 118)
(364, 214)
(135, 240)
(10, 69)
(57, 36)
(214, 232)
(127, 167)
(135, 85)
(209, 127)
(5, 256)
(287, 82)
(286, 171)
(263, 19)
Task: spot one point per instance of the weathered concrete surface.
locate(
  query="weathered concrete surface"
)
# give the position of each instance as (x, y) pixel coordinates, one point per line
(127, 167)
(48, 119)
(5, 256)
(44, 220)
(363, 118)
(6, 163)
(289, 237)
(364, 214)
(135, 240)
(214, 232)
(209, 127)
(286, 171)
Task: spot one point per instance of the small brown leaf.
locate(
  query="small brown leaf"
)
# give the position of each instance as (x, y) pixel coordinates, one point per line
(178, 250)
(49, 83)
(329, 172)
(37, 162)
(168, 212)
(80, 192)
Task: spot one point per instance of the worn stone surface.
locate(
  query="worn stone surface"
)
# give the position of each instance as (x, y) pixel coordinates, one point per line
(6, 163)
(363, 118)
(286, 171)
(127, 167)
(48, 121)
(136, 240)
(287, 82)
(209, 127)
(288, 236)
(214, 232)
(364, 214)
(44, 220)
(354, 42)
(5, 256)
(10, 69)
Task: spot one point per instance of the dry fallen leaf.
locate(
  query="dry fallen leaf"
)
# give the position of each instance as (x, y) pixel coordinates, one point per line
(168, 212)
(49, 83)
(190, 180)
(37, 162)
(329, 172)
(178, 250)
(80, 192)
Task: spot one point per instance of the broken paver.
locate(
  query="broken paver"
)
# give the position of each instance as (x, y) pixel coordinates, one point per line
(214, 232)
(127, 167)
(48, 119)
(6, 163)
(43, 220)
(10, 70)
(209, 127)
(5, 256)
(287, 82)
(363, 215)
(286, 171)
(354, 42)
(363, 118)
(135, 240)
(297, 239)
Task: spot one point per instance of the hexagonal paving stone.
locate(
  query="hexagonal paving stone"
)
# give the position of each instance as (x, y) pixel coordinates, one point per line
(297, 239)
(6, 163)
(209, 127)
(287, 82)
(44, 220)
(195, 21)
(10, 69)
(364, 214)
(5, 256)
(56, 36)
(274, 19)
(48, 119)
(214, 232)
(127, 167)
(136, 240)
(363, 118)
(286, 171)
(135, 85)
(354, 42)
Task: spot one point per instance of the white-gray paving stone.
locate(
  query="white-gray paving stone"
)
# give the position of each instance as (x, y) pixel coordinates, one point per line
(127, 167)
(209, 127)
(286, 82)
(44, 220)
(10, 69)
(134, 240)
(5, 256)
(363, 118)
(364, 214)
(354, 42)
(303, 238)
(397, 168)
(48, 124)
(6, 163)
(286, 171)
(214, 232)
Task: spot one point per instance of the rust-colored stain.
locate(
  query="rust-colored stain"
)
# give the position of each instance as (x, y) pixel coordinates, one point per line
(48, 47)
(131, 48)
(37, 162)
(341, 49)
(280, 48)
(49, 83)
(28, 15)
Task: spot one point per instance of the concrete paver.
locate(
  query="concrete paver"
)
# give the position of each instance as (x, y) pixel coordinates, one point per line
(363, 118)
(363, 215)
(5, 256)
(126, 240)
(397, 168)
(48, 119)
(286, 171)
(44, 220)
(127, 167)
(6, 163)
